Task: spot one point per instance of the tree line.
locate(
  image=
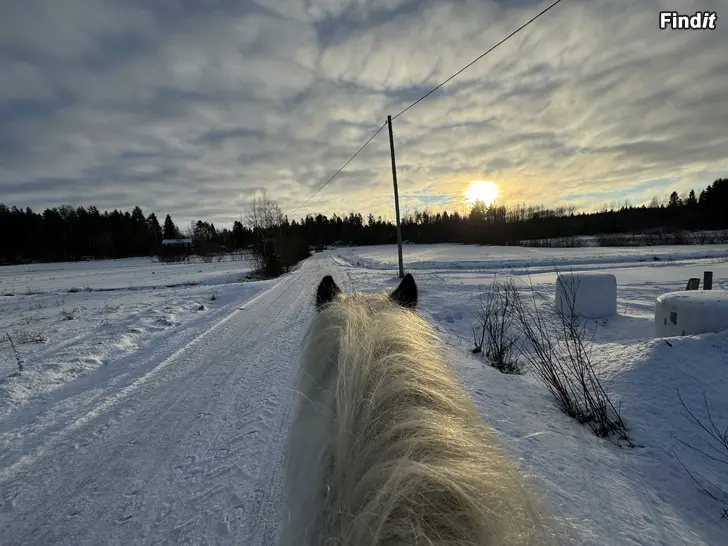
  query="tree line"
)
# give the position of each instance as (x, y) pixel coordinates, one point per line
(67, 233)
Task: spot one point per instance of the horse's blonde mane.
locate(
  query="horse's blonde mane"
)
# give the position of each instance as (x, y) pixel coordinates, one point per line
(386, 447)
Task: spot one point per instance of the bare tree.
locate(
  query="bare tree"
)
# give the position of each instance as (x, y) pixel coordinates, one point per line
(189, 232)
(276, 249)
(264, 214)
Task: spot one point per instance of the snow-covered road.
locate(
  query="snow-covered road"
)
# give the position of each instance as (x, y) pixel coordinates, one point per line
(185, 452)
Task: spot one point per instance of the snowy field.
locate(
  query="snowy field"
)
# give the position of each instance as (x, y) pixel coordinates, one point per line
(154, 399)
(67, 319)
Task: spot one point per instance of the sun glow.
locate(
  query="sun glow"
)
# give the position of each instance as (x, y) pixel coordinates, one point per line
(483, 191)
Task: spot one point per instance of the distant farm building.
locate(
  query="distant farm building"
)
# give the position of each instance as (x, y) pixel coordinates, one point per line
(175, 250)
(185, 244)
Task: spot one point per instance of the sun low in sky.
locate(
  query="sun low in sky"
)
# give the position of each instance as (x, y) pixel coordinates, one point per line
(481, 190)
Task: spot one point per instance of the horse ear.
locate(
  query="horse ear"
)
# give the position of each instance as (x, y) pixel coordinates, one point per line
(327, 291)
(406, 293)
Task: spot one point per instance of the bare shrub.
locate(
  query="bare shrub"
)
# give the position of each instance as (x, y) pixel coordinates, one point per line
(266, 260)
(18, 359)
(31, 319)
(205, 249)
(558, 348)
(248, 277)
(291, 249)
(715, 448)
(239, 255)
(495, 334)
(24, 337)
(172, 254)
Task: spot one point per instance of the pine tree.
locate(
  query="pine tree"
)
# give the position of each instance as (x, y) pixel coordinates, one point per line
(238, 234)
(674, 200)
(691, 201)
(155, 229)
(170, 230)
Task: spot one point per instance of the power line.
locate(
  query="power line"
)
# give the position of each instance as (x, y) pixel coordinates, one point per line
(342, 167)
(423, 97)
(519, 29)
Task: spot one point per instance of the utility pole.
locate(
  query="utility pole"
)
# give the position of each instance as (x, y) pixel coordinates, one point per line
(396, 197)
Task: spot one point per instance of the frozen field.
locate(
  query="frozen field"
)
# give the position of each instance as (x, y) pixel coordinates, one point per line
(155, 399)
(519, 260)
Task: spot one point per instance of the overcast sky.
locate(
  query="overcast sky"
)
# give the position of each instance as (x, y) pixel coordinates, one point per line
(190, 107)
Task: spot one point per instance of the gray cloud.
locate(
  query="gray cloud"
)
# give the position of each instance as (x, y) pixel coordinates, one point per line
(189, 108)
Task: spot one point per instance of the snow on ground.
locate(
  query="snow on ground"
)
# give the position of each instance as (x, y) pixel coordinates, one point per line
(610, 495)
(116, 275)
(520, 259)
(150, 413)
(68, 319)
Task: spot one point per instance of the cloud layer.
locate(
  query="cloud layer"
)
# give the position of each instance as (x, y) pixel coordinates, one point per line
(189, 108)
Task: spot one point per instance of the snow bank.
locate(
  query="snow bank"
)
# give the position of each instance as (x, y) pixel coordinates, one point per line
(594, 294)
(691, 312)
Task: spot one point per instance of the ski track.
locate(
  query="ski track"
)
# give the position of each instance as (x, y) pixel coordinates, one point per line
(190, 451)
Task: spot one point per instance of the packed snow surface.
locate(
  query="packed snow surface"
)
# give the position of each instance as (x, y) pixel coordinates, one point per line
(154, 399)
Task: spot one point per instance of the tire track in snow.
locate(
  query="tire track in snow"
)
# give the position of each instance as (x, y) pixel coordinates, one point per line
(161, 412)
(211, 465)
(45, 424)
(262, 508)
(263, 504)
(189, 455)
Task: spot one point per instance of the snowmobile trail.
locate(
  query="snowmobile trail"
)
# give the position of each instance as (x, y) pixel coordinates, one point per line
(189, 453)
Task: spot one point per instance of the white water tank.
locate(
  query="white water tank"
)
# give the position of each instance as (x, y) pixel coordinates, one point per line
(691, 312)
